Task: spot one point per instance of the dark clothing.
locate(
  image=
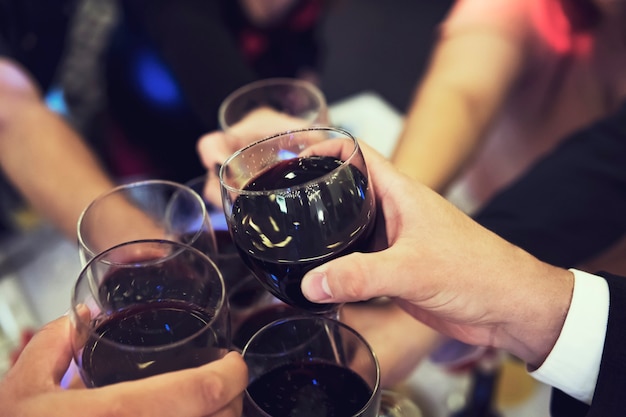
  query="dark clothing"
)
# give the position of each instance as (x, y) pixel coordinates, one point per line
(562, 405)
(171, 64)
(33, 33)
(569, 207)
(168, 65)
(607, 400)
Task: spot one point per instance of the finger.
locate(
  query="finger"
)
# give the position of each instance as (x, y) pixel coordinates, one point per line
(47, 356)
(214, 148)
(354, 277)
(263, 122)
(190, 393)
(212, 190)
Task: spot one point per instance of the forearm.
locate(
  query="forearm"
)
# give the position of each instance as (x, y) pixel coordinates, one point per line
(439, 136)
(46, 160)
(449, 272)
(534, 308)
(400, 341)
(469, 78)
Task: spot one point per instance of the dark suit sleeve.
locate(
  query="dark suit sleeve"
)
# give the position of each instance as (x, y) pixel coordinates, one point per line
(608, 399)
(571, 205)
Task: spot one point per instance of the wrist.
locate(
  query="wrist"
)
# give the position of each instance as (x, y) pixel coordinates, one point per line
(535, 320)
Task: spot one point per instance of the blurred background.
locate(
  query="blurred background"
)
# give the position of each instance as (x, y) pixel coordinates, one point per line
(372, 47)
(366, 46)
(378, 46)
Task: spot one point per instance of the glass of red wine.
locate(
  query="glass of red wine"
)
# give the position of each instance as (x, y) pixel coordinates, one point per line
(147, 307)
(251, 305)
(294, 201)
(150, 209)
(292, 102)
(310, 365)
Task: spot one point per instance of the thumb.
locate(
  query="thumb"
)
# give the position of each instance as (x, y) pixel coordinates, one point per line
(48, 353)
(354, 277)
(214, 148)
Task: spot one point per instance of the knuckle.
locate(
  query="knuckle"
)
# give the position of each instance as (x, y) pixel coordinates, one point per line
(212, 390)
(355, 288)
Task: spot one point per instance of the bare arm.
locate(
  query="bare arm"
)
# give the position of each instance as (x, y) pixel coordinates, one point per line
(42, 156)
(472, 69)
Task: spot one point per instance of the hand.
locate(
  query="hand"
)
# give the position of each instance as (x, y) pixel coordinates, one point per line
(32, 388)
(400, 341)
(215, 147)
(449, 272)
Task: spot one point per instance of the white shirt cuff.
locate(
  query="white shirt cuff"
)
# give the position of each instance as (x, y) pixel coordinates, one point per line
(573, 364)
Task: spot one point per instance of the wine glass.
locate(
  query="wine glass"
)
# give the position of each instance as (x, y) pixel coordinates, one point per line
(294, 201)
(310, 366)
(297, 103)
(150, 209)
(251, 305)
(258, 110)
(147, 307)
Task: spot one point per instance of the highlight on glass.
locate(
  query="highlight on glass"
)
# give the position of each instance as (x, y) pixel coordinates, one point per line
(147, 307)
(294, 201)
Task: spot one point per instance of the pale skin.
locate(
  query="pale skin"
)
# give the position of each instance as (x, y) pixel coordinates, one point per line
(450, 273)
(462, 263)
(470, 73)
(399, 341)
(268, 12)
(45, 159)
(32, 388)
(215, 147)
(53, 167)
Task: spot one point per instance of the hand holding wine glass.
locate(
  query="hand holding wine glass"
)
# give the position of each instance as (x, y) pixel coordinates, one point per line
(147, 307)
(456, 282)
(294, 201)
(300, 102)
(258, 110)
(33, 387)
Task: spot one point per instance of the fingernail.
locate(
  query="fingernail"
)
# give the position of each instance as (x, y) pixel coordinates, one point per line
(315, 286)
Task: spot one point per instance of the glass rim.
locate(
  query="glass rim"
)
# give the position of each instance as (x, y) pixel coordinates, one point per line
(265, 82)
(137, 348)
(132, 185)
(377, 385)
(290, 189)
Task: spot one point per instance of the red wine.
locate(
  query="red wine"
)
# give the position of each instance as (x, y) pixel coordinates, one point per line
(310, 389)
(126, 286)
(282, 236)
(242, 288)
(203, 241)
(144, 326)
(243, 331)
